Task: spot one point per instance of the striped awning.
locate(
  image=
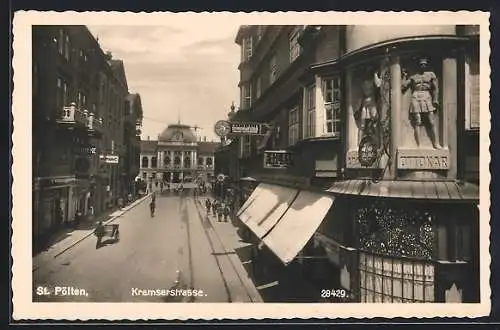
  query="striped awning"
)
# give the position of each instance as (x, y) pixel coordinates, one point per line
(435, 190)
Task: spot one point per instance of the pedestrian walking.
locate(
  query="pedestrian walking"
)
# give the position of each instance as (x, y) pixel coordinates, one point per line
(226, 212)
(208, 205)
(214, 207)
(152, 207)
(220, 208)
(99, 233)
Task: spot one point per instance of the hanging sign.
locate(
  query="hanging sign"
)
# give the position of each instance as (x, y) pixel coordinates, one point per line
(109, 159)
(367, 152)
(239, 128)
(222, 128)
(277, 159)
(220, 177)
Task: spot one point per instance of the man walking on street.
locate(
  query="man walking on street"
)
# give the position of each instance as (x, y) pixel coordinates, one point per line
(208, 205)
(99, 233)
(226, 211)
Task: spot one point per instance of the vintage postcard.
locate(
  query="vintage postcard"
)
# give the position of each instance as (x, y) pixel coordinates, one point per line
(250, 165)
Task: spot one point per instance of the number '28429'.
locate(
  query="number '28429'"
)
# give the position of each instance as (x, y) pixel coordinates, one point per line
(333, 293)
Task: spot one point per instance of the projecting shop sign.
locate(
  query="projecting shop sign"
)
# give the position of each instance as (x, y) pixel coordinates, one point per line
(277, 159)
(247, 128)
(109, 159)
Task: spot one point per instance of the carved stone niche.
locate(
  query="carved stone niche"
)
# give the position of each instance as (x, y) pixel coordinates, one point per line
(368, 103)
(421, 103)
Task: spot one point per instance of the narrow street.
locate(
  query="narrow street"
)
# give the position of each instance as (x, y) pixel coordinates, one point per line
(176, 249)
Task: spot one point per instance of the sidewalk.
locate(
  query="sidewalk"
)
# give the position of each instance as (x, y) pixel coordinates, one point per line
(272, 281)
(226, 239)
(71, 238)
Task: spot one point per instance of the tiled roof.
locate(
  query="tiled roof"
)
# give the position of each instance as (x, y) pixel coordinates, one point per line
(148, 146)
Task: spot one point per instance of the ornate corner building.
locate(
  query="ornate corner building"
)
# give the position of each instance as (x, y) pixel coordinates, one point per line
(382, 124)
(81, 115)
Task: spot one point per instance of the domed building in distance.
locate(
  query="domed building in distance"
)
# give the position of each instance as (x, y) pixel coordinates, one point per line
(177, 156)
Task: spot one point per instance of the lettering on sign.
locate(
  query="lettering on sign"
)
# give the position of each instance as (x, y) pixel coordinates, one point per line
(277, 159)
(248, 129)
(352, 160)
(423, 160)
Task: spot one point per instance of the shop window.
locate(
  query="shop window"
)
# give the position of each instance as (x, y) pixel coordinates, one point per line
(145, 162)
(294, 45)
(310, 111)
(396, 231)
(472, 97)
(293, 126)
(395, 280)
(331, 96)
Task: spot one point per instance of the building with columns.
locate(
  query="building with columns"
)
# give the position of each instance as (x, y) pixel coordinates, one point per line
(381, 124)
(177, 156)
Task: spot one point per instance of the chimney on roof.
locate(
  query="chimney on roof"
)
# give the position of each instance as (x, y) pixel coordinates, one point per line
(204, 139)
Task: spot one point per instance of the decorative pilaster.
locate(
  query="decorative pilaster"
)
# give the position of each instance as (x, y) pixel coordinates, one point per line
(448, 113)
(395, 68)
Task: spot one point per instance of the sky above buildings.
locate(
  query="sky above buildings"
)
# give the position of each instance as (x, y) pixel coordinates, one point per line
(183, 72)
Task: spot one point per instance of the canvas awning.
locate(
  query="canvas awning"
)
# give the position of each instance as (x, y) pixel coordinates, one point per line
(298, 225)
(265, 206)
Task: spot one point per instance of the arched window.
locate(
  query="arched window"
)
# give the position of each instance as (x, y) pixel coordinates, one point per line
(154, 162)
(209, 161)
(145, 162)
(167, 160)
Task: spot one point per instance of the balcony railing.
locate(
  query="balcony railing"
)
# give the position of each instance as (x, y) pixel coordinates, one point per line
(94, 125)
(72, 115)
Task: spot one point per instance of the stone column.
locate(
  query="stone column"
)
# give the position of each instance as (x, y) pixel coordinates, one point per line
(352, 134)
(447, 113)
(395, 112)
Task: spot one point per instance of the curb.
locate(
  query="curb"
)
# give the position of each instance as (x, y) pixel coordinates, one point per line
(136, 203)
(255, 296)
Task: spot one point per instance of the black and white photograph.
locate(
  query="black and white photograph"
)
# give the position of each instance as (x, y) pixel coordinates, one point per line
(230, 158)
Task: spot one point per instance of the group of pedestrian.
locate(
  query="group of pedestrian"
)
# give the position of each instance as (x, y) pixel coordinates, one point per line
(218, 208)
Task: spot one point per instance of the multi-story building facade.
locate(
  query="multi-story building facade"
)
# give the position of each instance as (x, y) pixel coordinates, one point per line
(177, 156)
(70, 125)
(381, 125)
(132, 140)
